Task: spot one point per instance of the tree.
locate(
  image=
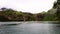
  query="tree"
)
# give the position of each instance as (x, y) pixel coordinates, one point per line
(58, 9)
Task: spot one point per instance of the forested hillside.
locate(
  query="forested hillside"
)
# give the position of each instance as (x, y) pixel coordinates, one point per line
(8, 14)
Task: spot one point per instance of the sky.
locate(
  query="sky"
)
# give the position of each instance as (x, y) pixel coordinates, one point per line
(32, 6)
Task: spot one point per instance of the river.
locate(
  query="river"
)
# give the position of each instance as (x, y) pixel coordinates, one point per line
(30, 28)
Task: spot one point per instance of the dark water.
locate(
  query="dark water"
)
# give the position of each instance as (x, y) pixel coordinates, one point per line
(30, 28)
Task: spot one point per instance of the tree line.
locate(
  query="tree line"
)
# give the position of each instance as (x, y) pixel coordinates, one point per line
(8, 14)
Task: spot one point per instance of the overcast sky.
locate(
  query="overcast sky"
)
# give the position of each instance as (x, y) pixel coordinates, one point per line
(33, 6)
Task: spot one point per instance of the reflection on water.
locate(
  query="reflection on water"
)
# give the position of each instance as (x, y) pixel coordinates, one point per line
(30, 28)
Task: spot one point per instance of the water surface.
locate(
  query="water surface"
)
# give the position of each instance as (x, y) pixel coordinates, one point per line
(30, 28)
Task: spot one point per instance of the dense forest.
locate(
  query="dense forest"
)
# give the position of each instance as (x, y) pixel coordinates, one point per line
(8, 14)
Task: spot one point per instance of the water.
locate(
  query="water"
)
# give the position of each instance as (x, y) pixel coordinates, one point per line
(30, 28)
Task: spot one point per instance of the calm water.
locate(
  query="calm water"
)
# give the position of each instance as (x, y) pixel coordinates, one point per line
(30, 28)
